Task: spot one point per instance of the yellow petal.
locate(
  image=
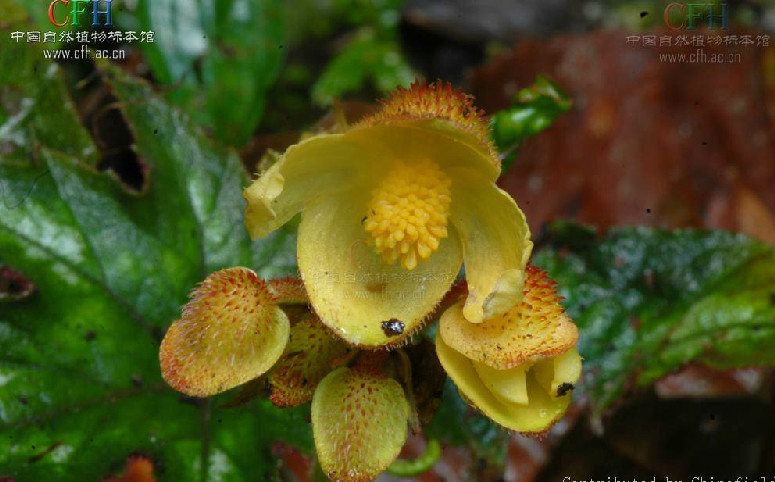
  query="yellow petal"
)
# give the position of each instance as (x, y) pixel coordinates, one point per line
(535, 329)
(326, 164)
(558, 375)
(355, 292)
(439, 141)
(310, 355)
(535, 417)
(440, 108)
(317, 167)
(510, 386)
(359, 421)
(496, 244)
(231, 331)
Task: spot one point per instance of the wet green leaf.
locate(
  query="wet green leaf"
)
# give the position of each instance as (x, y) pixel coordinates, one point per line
(30, 89)
(80, 387)
(218, 57)
(535, 109)
(368, 57)
(648, 301)
(381, 14)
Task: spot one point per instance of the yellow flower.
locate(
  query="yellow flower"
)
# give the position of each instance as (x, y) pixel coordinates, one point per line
(232, 331)
(360, 422)
(238, 327)
(390, 210)
(519, 368)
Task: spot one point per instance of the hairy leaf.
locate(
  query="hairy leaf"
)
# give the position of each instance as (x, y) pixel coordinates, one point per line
(80, 386)
(647, 301)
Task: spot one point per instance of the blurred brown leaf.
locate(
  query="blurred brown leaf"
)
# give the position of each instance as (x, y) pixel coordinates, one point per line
(648, 142)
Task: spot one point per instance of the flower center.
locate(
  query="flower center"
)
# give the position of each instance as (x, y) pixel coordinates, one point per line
(408, 213)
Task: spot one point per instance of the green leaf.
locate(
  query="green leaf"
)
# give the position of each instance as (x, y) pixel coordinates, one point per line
(219, 57)
(457, 424)
(35, 15)
(382, 14)
(80, 387)
(535, 109)
(31, 89)
(367, 57)
(648, 301)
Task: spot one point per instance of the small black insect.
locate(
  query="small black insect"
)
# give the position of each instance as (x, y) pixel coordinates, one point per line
(564, 388)
(393, 327)
(643, 14)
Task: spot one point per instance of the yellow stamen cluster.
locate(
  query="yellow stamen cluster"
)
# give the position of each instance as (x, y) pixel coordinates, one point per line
(408, 212)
